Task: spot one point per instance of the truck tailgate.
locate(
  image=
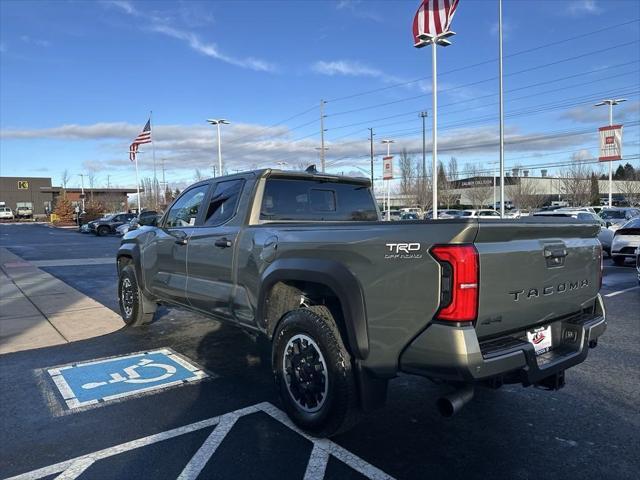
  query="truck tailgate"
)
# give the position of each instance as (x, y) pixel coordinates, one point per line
(533, 271)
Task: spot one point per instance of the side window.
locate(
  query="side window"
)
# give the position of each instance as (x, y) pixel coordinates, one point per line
(224, 201)
(118, 218)
(184, 212)
(584, 216)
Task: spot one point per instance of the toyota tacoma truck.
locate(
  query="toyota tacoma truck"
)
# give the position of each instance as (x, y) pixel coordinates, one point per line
(348, 301)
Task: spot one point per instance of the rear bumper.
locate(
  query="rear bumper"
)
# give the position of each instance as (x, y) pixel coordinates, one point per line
(455, 354)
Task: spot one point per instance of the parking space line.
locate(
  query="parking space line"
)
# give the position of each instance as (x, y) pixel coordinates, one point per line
(317, 465)
(115, 450)
(209, 447)
(613, 294)
(322, 449)
(76, 469)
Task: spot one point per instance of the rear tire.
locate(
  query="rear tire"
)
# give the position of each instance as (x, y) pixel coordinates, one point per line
(619, 261)
(103, 231)
(313, 372)
(131, 299)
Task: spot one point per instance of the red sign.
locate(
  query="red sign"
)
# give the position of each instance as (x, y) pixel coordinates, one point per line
(610, 143)
(387, 167)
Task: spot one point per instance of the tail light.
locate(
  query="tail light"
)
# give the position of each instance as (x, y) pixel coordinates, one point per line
(460, 278)
(601, 267)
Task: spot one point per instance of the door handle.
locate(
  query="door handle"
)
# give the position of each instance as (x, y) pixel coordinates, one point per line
(180, 237)
(223, 243)
(181, 241)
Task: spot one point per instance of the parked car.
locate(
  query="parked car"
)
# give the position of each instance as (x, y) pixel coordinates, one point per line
(482, 213)
(148, 217)
(626, 240)
(302, 260)
(106, 225)
(394, 215)
(24, 212)
(577, 209)
(447, 214)
(638, 263)
(605, 236)
(409, 216)
(6, 213)
(617, 216)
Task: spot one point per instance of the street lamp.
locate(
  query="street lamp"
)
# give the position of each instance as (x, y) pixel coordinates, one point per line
(217, 123)
(388, 197)
(610, 102)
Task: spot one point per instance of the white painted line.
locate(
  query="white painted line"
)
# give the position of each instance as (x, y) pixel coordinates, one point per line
(111, 451)
(181, 361)
(613, 294)
(317, 465)
(209, 447)
(63, 387)
(76, 469)
(334, 449)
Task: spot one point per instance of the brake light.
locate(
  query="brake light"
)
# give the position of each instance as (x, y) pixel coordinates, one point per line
(601, 267)
(460, 278)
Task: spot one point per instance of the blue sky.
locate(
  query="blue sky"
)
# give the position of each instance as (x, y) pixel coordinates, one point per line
(78, 79)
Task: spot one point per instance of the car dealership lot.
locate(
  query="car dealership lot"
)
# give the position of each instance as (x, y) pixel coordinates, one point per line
(588, 429)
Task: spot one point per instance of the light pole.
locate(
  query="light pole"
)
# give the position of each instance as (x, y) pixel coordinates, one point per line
(217, 123)
(371, 152)
(81, 175)
(611, 102)
(423, 115)
(388, 196)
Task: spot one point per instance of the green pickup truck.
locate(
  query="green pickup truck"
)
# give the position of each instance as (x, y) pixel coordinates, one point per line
(348, 301)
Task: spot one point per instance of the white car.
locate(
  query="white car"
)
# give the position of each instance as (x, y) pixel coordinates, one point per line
(577, 209)
(6, 213)
(625, 241)
(482, 213)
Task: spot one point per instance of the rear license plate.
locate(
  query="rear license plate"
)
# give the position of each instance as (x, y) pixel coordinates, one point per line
(540, 338)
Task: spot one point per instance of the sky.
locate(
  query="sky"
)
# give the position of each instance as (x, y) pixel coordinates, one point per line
(78, 80)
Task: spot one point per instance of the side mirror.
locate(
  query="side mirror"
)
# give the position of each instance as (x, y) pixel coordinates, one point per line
(608, 224)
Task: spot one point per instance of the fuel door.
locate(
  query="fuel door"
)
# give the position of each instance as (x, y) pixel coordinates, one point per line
(269, 249)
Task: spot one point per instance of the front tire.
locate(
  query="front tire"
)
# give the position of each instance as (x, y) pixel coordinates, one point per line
(313, 372)
(131, 299)
(103, 231)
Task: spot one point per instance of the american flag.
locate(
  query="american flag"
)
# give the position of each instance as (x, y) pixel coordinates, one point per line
(432, 18)
(143, 137)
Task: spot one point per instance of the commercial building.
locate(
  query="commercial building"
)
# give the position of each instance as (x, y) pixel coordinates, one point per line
(39, 193)
(524, 191)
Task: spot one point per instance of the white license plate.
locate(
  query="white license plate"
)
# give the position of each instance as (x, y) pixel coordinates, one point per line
(540, 338)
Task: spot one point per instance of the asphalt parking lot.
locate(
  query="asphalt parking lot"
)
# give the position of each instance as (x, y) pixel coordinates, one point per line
(227, 423)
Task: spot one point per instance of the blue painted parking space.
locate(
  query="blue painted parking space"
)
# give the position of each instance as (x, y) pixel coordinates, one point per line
(99, 381)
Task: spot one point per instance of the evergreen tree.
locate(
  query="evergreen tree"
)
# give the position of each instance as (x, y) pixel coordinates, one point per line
(629, 172)
(594, 197)
(619, 173)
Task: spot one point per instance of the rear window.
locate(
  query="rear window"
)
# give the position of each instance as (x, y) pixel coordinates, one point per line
(612, 214)
(290, 199)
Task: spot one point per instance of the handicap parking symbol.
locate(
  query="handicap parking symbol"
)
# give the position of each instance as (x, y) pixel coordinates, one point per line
(98, 381)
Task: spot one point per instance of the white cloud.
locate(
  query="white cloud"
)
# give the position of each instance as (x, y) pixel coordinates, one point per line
(211, 50)
(346, 68)
(247, 146)
(35, 41)
(590, 114)
(160, 24)
(359, 9)
(584, 7)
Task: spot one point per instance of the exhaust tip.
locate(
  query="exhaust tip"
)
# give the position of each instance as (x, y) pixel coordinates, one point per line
(445, 407)
(449, 405)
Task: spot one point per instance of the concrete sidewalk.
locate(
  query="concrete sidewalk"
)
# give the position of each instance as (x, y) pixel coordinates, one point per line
(38, 310)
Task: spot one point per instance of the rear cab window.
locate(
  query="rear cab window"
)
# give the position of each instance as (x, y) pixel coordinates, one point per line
(287, 199)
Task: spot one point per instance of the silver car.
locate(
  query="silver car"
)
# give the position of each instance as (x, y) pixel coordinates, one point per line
(626, 240)
(617, 216)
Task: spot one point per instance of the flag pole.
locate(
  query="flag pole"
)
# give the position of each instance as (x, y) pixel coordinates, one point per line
(501, 110)
(138, 185)
(434, 161)
(153, 153)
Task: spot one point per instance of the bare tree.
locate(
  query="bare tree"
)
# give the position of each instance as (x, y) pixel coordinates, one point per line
(629, 186)
(65, 177)
(197, 175)
(446, 195)
(478, 191)
(525, 194)
(92, 182)
(407, 174)
(575, 184)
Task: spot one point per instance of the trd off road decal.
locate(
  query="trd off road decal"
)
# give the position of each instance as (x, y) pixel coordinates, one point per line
(402, 250)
